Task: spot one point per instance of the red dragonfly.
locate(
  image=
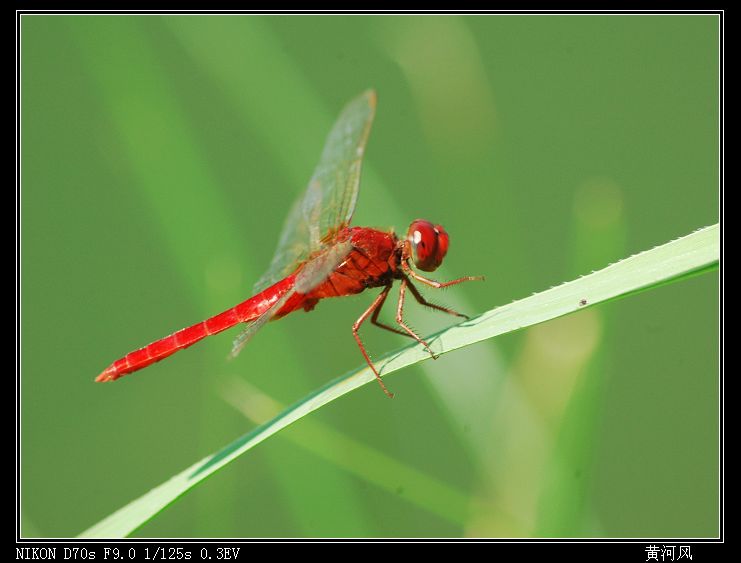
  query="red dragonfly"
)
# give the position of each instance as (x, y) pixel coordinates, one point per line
(320, 255)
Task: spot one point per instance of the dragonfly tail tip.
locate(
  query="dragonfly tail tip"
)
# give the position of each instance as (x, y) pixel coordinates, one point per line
(109, 374)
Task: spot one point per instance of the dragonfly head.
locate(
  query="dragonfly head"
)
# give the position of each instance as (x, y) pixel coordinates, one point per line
(428, 244)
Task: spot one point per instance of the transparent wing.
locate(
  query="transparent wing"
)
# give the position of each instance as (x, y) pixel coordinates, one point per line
(314, 272)
(246, 335)
(328, 203)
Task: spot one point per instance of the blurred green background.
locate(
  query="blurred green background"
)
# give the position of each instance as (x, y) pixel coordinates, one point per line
(160, 156)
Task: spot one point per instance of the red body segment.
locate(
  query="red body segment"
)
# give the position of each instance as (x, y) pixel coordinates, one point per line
(159, 350)
(372, 262)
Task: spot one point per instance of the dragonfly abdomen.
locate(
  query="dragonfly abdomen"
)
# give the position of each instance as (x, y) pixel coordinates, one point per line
(245, 312)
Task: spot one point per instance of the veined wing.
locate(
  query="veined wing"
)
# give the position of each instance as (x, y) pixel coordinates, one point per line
(314, 272)
(328, 203)
(246, 335)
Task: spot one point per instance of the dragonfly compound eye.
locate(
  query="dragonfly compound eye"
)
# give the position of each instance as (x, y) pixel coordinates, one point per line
(429, 244)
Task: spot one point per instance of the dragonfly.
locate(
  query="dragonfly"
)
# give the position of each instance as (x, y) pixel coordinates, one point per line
(319, 255)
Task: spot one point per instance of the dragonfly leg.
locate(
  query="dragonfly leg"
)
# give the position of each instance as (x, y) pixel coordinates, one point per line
(422, 301)
(402, 324)
(377, 302)
(377, 310)
(436, 284)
